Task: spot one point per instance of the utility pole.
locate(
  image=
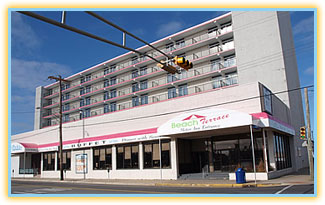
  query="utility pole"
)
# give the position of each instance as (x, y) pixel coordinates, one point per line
(60, 79)
(309, 142)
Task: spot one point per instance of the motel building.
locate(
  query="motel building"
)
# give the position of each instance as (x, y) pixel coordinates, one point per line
(127, 119)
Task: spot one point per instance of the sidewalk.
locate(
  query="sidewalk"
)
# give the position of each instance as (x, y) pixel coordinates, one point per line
(284, 180)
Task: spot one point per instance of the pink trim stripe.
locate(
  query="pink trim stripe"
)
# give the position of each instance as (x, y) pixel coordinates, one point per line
(104, 137)
(265, 115)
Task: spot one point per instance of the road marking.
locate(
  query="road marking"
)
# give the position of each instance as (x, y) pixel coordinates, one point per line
(282, 190)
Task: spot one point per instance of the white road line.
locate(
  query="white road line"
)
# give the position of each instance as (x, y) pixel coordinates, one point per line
(282, 190)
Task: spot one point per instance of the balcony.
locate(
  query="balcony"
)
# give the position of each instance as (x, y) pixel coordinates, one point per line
(163, 83)
(191, 43)
(221, 83)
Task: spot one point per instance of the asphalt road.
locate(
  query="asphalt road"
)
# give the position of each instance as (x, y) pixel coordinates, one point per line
(19, 188)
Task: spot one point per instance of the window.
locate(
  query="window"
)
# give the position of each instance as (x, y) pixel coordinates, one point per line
(88, 101)
(143, 85)
(113, 93)
(48, 161)
(82, 102)
(102, 158)
(82, 91)
(86, 113)
(229, 61)
(112, 80)
(49, 102)
(82, 79)
(215, 64)
(127, 156)
(106, 83)
(180, 43)
(50, 92)
(106, 108)
(170, 47)
(106, 95)
(88, 77)
(183, 74)
(281, 151)
(66, 107)
(66, 96)
(65, 86)
(109, 69)
(216, 82)
(66, 163)
(134, 60)
(88, 89)
(135, 87)
(135, 73)
(182, 90)
(172, 93)
(135, 101)
(144, 99)
(113, 106)
(143, 70)
(151, 156)
(230, 79)
(212, 32)
(171, 77)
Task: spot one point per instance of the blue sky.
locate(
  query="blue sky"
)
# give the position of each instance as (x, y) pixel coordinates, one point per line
(39, 49)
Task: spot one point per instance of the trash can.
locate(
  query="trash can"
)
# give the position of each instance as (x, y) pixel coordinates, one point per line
(240, 176)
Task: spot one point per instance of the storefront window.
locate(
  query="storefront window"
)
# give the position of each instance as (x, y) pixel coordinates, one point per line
(235, 152)
(281, 151)
(66, 163)
(48, 161)
(151, 155)
(102, 158)
(128, 156)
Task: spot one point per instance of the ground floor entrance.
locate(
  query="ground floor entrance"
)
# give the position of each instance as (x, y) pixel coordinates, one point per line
(220, 153)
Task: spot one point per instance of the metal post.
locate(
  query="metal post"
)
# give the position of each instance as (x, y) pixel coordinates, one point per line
(309, 143)
(124, 40)
(265, 152)
(24, 163)
(83, 137)
(253, 151)
(60, 128)
(63, 17)
(160, 159)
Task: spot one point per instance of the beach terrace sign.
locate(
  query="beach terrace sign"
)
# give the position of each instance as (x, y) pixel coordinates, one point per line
(205, 120)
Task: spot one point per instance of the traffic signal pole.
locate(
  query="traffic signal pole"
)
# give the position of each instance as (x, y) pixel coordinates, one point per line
(309, 142)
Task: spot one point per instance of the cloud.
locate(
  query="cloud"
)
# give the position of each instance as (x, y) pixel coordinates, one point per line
(309, 70)
(305, 26)
(169, 28)
(28, 75)
(22, 35)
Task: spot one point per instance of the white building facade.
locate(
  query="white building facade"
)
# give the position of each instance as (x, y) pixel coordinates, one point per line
(127, 119)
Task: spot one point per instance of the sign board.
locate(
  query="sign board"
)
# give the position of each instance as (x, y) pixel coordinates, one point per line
(81, 164)
(266, 99)
(204, 120)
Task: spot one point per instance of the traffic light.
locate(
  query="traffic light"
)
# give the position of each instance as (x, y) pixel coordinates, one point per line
(302, 133)
(183, 63)
(168, 68)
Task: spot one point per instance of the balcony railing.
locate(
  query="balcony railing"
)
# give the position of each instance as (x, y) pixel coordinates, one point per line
(200, 71)
(191, 90)
(124, 65)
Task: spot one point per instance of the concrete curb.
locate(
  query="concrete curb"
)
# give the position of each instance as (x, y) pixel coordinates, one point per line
(218, 185)
(246, 185)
